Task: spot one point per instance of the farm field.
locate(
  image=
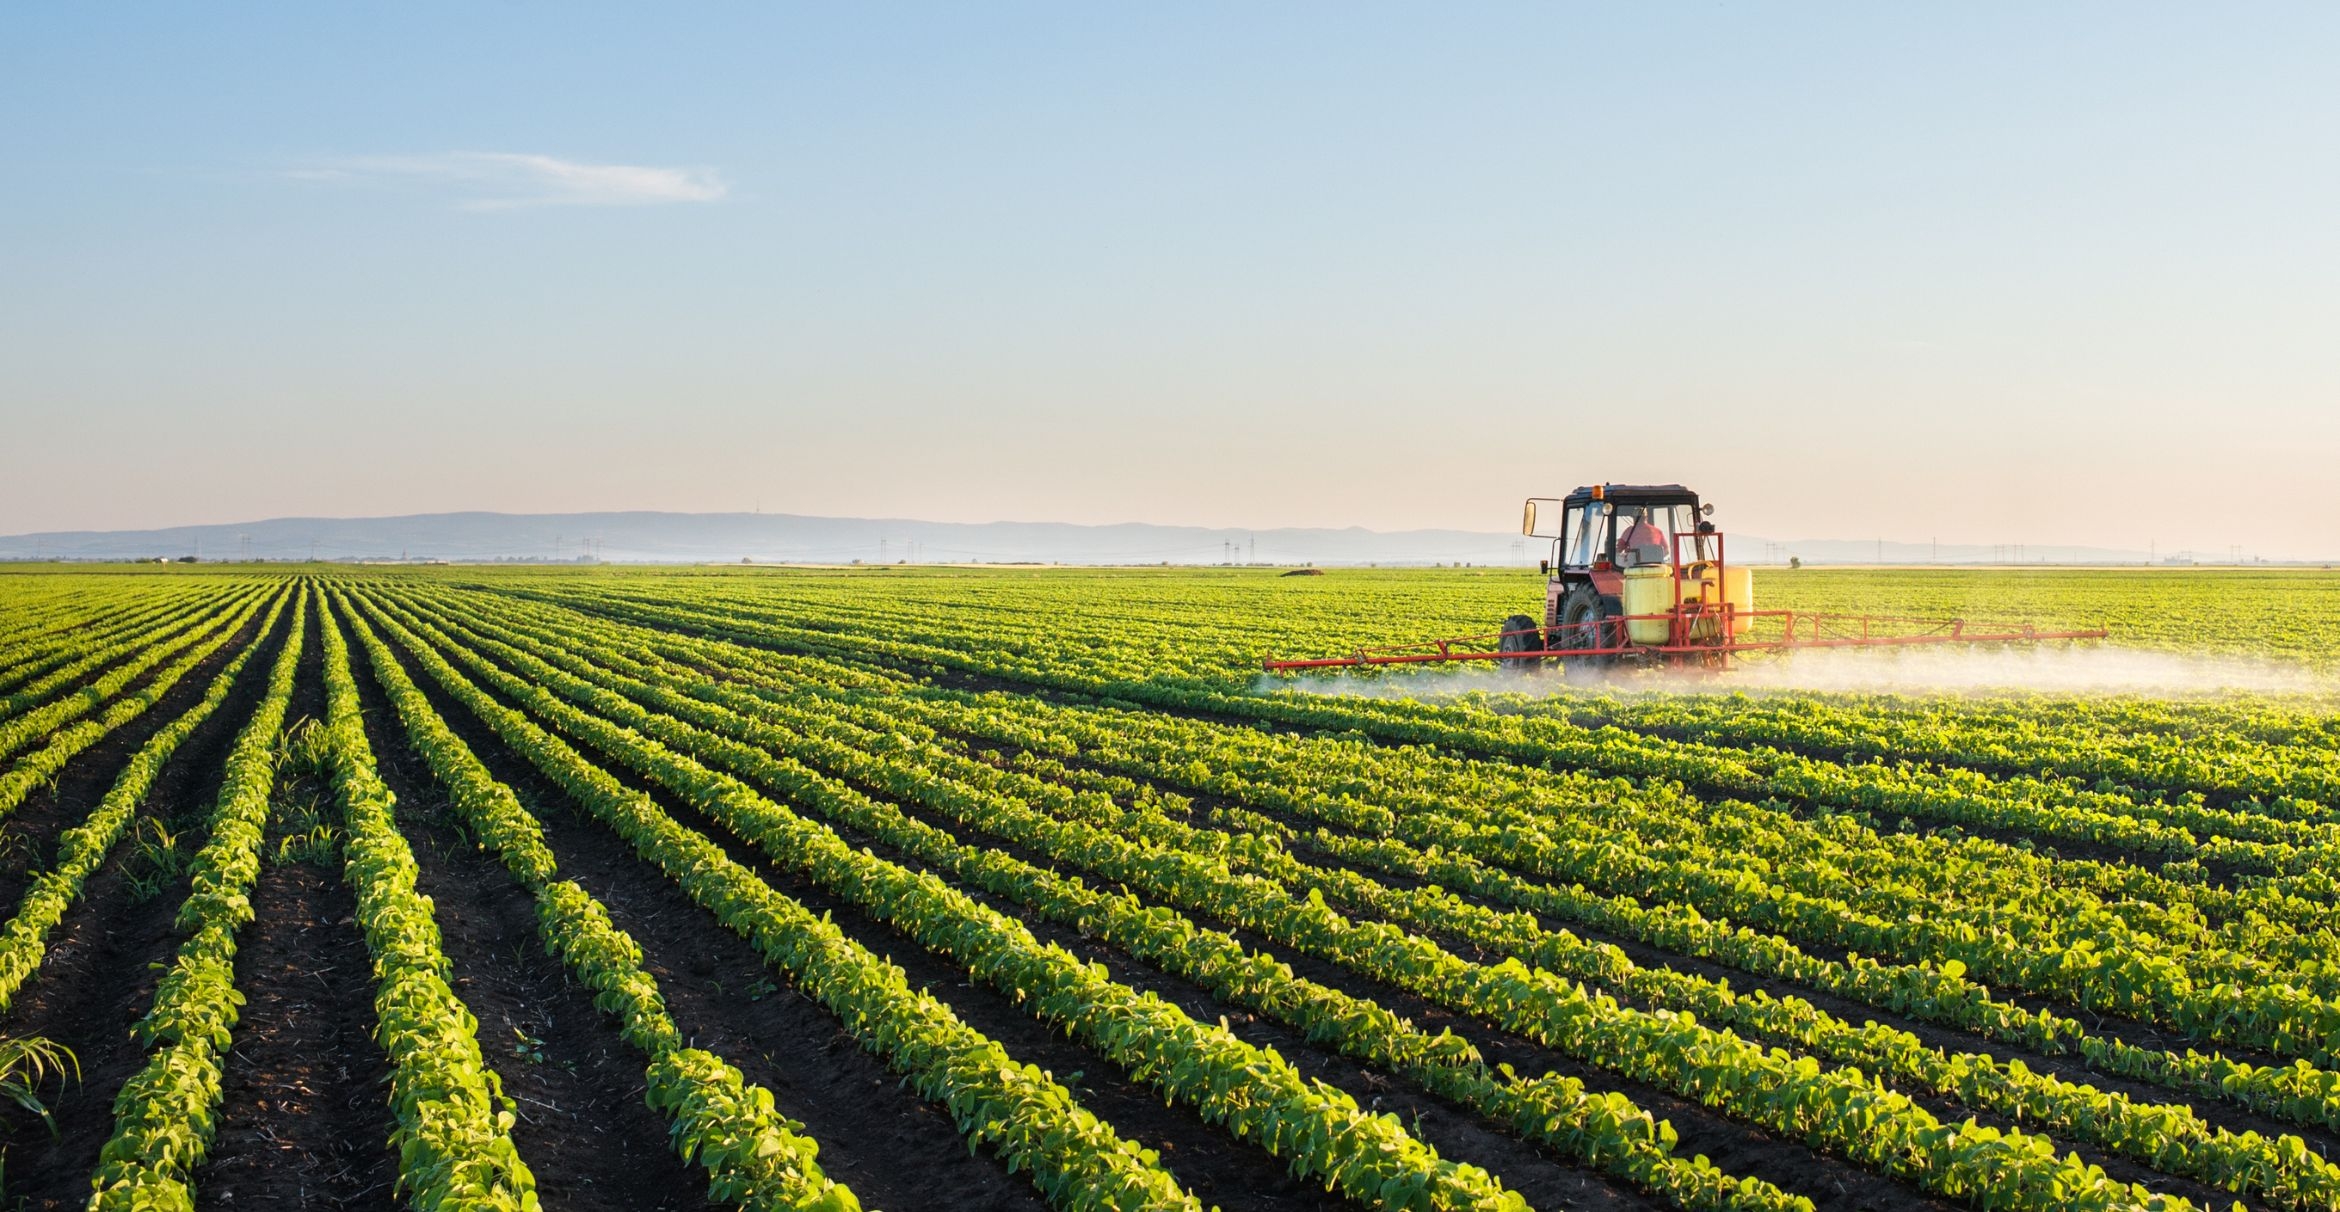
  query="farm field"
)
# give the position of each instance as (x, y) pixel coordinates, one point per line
(907, 887)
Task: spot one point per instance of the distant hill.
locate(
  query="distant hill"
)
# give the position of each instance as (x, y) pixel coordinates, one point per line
(763, 537)
(651, 537)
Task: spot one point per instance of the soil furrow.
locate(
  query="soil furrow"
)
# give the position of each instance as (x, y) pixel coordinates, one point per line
(893, 1148)
(583, 1125)
(304, 1114)
(106, 955)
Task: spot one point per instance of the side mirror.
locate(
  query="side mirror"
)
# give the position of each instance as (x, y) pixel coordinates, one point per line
(1706, 510)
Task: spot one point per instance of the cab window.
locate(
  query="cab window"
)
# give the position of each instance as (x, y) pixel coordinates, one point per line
(1587, 535)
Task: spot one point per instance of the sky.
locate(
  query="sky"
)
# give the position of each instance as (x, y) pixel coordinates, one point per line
(2059, 273)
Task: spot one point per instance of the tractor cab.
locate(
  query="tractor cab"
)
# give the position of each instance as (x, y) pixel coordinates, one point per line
(1602, 536)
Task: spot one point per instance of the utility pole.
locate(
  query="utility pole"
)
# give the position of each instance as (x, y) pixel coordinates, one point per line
(1253, 557)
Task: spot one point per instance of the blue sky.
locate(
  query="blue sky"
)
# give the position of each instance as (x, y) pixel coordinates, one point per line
(2055, 274)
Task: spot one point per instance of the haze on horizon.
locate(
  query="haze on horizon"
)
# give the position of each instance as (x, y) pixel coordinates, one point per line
(2056, 274)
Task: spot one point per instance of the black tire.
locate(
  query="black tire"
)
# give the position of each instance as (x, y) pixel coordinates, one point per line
(1581, 613)
(1521, 633)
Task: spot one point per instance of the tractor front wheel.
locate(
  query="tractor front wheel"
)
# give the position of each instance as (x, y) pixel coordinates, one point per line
(1521, 633)
(1581, 613)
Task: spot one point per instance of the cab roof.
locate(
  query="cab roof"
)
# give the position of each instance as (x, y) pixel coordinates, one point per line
(1637, 494)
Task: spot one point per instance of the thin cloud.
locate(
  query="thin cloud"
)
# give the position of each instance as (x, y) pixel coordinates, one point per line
(515, 180)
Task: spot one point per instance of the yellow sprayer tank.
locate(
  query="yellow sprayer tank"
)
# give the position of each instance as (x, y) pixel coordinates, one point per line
(1737, 588)
(1649, 589)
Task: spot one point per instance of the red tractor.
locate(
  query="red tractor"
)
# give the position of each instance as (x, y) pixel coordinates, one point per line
(1638, 574)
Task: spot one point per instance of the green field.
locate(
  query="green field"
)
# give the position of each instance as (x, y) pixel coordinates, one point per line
(928, 887)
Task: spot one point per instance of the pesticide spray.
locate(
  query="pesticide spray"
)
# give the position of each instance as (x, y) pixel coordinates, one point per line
(1912, 671)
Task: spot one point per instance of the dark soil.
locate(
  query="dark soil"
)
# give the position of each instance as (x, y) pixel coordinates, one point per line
(1896, 823)
(28, 839)
(1783, 1165)
(893, 1148)
(2130, 1031)
(2217, 1112)
(583, 1127)
(1947, 1110)
(1219, 1168)
(304, 1106)
(77, 640)
(2214, 1111)
(105, 957)
(1742, 1149)
(59, 642)
(304, 1118)
(2223, 1115)
(965, 679)
(1457, 1133)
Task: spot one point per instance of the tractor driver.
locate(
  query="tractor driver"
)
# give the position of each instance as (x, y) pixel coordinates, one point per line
(1641, 544)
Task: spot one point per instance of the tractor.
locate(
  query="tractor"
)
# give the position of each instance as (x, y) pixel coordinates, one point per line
(1639, 575)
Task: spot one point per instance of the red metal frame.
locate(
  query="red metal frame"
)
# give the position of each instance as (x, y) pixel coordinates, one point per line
(1826, 630)
(1944, 631)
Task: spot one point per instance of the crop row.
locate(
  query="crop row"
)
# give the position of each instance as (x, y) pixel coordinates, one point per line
(27, 717)
(36, 768)
(1605, 1130)
(56, 659)
(1790, 874)
(1136, 744)
(1320, 1129)
(1247, 768)
(2244, 840)
(2291, 782)
(2170, 1137)
(164, 1114)
(82, 849)
(755, 1157)
(1036, 648)
(452, 1123)
(1013, 1110)
(1881, 1128)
